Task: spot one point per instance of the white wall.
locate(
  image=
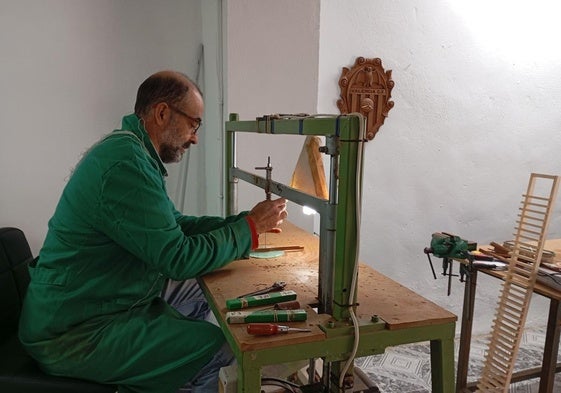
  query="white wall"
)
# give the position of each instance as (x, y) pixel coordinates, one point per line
(477, 93)
(69, 72)
(272, 59)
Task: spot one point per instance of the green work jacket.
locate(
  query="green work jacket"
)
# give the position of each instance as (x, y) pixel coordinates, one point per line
(113, 240)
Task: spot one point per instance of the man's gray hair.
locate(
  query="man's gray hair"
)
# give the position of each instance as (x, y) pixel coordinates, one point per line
(162, 87)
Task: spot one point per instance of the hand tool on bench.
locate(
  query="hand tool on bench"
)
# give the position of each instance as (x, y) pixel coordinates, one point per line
(269, 329)
(277, 286)
(288, 305)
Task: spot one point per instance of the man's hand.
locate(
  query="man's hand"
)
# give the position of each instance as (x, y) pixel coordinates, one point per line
(268, 215)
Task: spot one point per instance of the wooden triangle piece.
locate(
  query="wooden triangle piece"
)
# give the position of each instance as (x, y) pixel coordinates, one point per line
(309, 175)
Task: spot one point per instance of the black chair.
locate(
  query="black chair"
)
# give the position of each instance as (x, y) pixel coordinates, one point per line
(19, 373)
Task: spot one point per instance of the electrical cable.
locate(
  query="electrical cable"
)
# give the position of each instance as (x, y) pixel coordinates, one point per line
(551, 276)
(286, 388)
(290, 386)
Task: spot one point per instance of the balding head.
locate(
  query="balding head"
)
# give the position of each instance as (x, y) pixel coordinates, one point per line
(170, 107)
(170, 87)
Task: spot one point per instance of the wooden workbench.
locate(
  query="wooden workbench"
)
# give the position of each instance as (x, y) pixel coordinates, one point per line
(549, 367)
(405, 317)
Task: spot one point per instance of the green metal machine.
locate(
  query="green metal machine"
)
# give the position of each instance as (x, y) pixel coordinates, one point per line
(339, 215)
(345, 336)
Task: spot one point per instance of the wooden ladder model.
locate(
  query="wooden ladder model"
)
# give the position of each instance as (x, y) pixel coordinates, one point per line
(517, 288)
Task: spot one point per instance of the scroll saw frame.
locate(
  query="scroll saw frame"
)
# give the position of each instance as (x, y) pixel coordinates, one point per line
(339, 215)
(338, 259)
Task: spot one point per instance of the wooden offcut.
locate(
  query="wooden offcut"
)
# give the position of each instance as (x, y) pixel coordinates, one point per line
(309, 174)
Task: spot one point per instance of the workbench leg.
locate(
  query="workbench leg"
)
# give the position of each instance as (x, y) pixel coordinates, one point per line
(249, 375)
(442, 364)
(465, 334)
(551, 348)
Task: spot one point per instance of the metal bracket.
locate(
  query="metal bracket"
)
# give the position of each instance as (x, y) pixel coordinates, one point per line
(332, 146)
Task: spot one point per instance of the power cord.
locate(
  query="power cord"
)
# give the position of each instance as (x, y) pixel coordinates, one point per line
(287, 385)
(551, 276)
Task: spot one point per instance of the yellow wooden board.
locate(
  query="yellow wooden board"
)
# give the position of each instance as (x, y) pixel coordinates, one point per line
(309, 174)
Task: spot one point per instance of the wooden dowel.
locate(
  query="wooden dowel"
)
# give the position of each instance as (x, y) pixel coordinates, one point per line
(280, 248)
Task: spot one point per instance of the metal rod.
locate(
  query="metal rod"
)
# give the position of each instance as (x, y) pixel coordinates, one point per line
(327, 242)
(301, 198)
(268, 177)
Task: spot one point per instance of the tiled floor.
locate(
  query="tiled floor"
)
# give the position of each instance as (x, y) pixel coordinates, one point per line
(406, 369)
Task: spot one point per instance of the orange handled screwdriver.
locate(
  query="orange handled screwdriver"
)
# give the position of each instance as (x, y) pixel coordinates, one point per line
(269, 329)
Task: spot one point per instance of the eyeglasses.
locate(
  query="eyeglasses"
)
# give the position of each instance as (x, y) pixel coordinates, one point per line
(197, 121)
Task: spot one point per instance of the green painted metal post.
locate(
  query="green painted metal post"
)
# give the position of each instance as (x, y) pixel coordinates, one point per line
(347, 235)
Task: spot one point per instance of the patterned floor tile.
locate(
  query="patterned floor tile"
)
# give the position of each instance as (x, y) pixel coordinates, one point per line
(406, 368)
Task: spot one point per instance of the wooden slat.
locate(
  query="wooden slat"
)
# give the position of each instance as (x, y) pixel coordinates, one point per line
(535, 197)
(535, 204)
(520, 236)
(520, 223)
(518, 286)
(532, 211)
(513, 309)
(539, 219)
(530, 231)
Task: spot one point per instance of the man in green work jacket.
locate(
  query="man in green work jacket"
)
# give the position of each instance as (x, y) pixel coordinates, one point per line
(112, 297)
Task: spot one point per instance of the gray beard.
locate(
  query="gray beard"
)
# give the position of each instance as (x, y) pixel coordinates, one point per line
(169, 154)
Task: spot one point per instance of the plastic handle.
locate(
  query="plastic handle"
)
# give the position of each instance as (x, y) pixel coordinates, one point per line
(262, 329)
(290, 305)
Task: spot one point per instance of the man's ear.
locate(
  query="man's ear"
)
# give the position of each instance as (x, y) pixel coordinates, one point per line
(161, 113)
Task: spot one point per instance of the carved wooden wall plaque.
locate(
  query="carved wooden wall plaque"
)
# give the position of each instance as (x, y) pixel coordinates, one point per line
(366, 88)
